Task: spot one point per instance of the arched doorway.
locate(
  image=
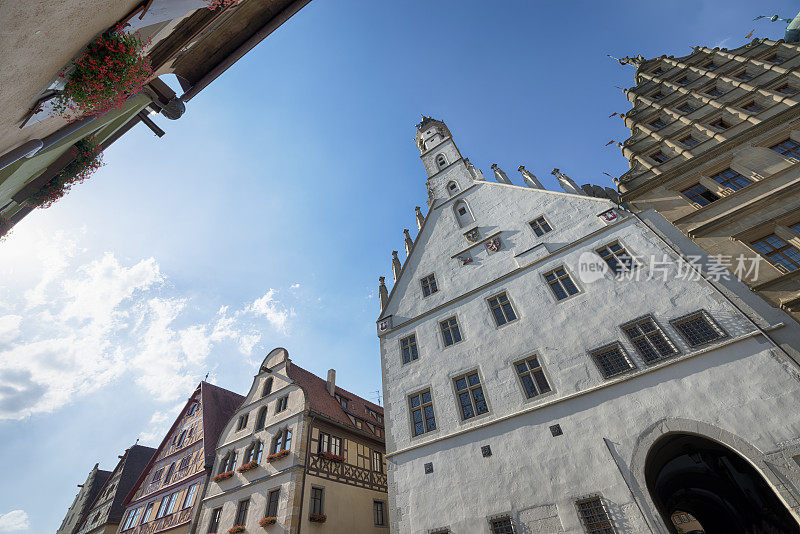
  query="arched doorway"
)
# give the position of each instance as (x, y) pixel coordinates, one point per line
(723, 491)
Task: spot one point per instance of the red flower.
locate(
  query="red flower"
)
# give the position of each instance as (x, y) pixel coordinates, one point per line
(88, 158)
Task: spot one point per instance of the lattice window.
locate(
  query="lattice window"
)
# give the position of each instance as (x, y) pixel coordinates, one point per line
(532, 377)
(731, 179)
(408, 347)
(612, 360)
(561, 283)
(421, 409)
(501, 525)
(429, 286)
(594, 516)
(616, 257)
(470, 395)
(540, 226)
(698, 328)
(501, 309)
(700, 195)
(451, 333)
(650, 341)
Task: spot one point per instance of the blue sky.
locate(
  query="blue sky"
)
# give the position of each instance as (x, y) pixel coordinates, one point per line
(265, 215)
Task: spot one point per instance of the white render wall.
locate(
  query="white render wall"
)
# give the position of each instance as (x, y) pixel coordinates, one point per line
(740, 385)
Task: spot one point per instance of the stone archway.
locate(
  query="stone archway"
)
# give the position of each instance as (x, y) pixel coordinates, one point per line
(715, 484)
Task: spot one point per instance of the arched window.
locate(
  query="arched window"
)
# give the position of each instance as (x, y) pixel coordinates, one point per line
(452, 188)
(441, 161)
(253, 453)
(228, 462)
(282, 441)
(463, 213)
(262, 418)
(267, 387)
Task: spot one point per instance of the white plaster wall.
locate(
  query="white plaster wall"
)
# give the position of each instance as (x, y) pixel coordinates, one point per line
(258, 496)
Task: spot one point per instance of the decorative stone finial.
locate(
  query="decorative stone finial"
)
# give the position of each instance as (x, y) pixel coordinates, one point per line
(529, 178)
(420, 217)
(567, 183)
(383, 293)
(395, 265)
(499, 175)
(409, 242)
(477, 174)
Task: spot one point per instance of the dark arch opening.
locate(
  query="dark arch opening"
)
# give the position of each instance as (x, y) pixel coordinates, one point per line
(717, 486)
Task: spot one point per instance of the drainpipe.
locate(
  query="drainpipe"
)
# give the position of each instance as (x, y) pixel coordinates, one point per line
(305, 470)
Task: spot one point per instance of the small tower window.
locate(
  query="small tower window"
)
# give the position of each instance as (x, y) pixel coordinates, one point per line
(463, 214)
(452, 188)
(441, 161)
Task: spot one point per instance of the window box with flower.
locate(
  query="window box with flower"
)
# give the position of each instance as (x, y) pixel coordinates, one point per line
(332, 457)
(317, 518)
(223, 476)
(277, 455)
(267, 521)
(236, 528)
(88, 158)
(249, 466)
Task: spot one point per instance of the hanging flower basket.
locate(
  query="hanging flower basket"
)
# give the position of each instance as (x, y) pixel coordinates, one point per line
(213, 5)
(317, 518)
(223, 476)
(278, 455)
(332, 457)
(248, 466)
(267, 521)
(88, 158)
(110, 70)
(237, 528)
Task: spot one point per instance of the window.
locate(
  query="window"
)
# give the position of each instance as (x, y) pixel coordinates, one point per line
(658, 71)
(228, 462)
(281, 441)
(189, 500)
(341, 400)
(795, 228)
(501, 309)
(658, 124)
(429, 286)
(720, 125)
(133, 516)
(261, 420)
(379, 513)
(611, 360)
(157, 475)
(408, 346)
(686, 108)
(752, 107)
(659, 156)
(317, 500)
(594, 516)
(272, 503)
(377, 461)
(242, 422)
(657, 96)
(710, 65)
(267, 387)
(715, 91)
(698, 328)
(181, 438)
(788, 148)
(450, 331)
(787, 89)
(463, 214)
(147, 511)
(241, 512)
(699, 195)
(540, 226)
(561, 284)
(684, 81)
(452, 188)
(501, 525)
(422, 418)
(689, 141)
(331, 444)
(775, 59)
(441, 161)
(532, 377)
(170, 470)
(173, 500)
(744, 75)
(649, 340)
(162, 508)
(213, 525)
(253, 453)
(617, 258)
(779, 252)
(192, 409)
(470, 395)
(184, 462)
(282, 404)
(731, 179)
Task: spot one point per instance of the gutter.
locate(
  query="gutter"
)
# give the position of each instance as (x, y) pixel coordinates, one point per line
(34, 146)
(305, 470)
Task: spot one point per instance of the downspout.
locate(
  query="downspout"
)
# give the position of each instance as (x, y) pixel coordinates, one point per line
(305, 470)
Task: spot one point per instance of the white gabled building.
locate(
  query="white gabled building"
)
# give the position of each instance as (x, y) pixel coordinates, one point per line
(526, 391)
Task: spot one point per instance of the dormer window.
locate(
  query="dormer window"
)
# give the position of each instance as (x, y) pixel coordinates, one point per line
(441, 161)
(775, 59)
(452, 188)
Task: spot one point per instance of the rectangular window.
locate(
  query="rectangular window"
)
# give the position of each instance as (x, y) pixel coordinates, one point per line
(450, 331)
(324, 444)
(377, 461)
(157, 475)
(659, 157)
(283, 402)
(594, 516)
(173, 500)
(501, 309)
(752, 107)
(170, 470)
(379, 513)
(147, 512)
(689, 141)
(242, 422)
(710, 65)
(611, 360)
(162, 507)
(540, 226)
(686, 108)
(787, 89)
(720, 124)
(241, 512)
(561, 284)
(775, 59)
(744, 75)
(133, 517)
(658, 96)
(779, 252)
(684, 81)
(715, 91)
(700, 195)
(189, 500)
(317, 497)
(282, 441)
(184, 463)
(408, 346)
(531, 375)
(731, 179)
(501, 525)
(698, 328)
(650, 342)
(788, 148)
(421, 409)
(429, 285)
(470, 395)
(658, 124)
(336, 445)
(272, 503)
(213, 525)
(617, 258)
(795, 228)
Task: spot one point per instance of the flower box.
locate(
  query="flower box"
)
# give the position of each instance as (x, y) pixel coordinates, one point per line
(223, 476)
(5, 226)
(332, 457)
(278, 455)
(249, 466)
(317, 518)
(267, 521)
(88, 158)
(236, 528)
(213, 5)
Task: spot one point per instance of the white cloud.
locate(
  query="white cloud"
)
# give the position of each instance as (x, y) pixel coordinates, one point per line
(295, 285)
(14, 520)
(272, 310)
(9, 328)
(160, 422)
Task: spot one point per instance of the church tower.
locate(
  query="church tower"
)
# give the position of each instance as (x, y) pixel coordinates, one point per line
(447, 171)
